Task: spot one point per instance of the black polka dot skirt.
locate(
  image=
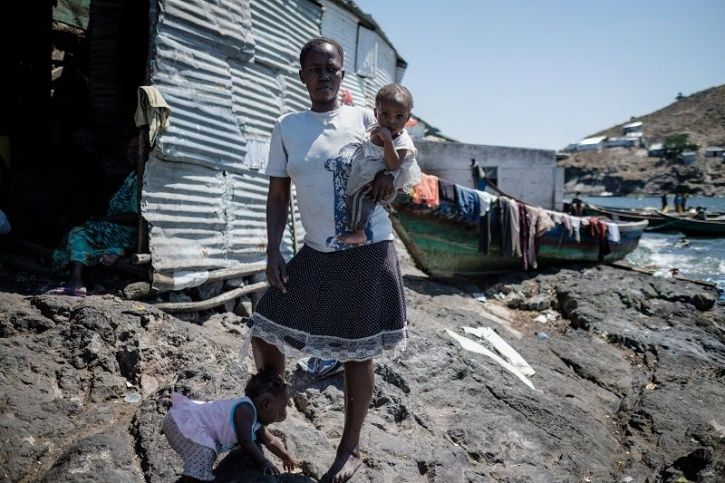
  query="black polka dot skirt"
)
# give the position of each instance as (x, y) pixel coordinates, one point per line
(345, 305)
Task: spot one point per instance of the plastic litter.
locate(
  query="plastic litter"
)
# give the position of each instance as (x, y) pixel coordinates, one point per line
(503, 348)
(320, 367)
(474, 346)
(542, 336)
(546, 316)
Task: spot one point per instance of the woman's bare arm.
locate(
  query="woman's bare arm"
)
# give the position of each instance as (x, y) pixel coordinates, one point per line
(277, 202)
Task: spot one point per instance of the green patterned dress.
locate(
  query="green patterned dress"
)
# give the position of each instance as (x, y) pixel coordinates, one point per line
(98, 237)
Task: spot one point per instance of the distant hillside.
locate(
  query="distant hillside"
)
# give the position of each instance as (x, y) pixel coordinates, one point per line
(629, 170)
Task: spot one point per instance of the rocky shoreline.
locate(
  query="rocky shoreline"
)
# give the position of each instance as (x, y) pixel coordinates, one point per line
(629, 170)
(626, 171)
(629, 385)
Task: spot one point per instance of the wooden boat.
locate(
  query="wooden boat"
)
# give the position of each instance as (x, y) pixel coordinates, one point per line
(656, 221)
(712, 227)
(444, 246)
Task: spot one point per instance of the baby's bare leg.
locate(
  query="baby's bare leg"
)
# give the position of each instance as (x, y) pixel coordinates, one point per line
(360, 207)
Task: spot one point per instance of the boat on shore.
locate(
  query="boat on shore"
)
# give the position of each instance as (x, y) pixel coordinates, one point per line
(444, 246)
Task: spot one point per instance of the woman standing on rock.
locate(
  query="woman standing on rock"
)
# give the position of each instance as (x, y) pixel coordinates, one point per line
(332, 300)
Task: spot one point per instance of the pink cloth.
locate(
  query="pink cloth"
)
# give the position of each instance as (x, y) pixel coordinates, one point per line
(210, 424)
(426, 192)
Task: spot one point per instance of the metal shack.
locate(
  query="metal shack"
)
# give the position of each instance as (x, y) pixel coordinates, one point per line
(226, 68)
(204, 192)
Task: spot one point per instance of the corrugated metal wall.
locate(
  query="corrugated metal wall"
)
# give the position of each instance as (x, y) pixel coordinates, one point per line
(399, 73)
(257, 98)
(228, 69)
(386, 69)
(341, 24)
(203, 218)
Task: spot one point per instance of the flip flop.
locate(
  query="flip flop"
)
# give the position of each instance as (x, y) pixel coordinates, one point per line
(329, 367)
(71, 292)
(320, 368)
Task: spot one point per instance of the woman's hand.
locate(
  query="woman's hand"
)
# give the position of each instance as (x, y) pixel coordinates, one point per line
(276, 270)
(381, 187)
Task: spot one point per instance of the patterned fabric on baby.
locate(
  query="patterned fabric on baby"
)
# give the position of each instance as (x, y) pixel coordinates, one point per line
(370, 161)
(198, 459)
(210, 424)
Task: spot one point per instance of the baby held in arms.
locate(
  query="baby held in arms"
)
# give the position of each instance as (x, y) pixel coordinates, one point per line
(386, 147)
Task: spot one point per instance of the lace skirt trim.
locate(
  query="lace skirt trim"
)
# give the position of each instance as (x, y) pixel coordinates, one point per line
(296, 343)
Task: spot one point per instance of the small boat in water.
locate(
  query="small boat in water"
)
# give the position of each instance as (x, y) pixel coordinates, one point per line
(687, 223)
(656, 221)
(444, 246)
(710, 227)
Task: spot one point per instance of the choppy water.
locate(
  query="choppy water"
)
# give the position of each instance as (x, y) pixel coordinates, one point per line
(696, 258)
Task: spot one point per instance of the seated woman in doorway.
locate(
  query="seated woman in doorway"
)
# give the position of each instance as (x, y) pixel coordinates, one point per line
(101, 241)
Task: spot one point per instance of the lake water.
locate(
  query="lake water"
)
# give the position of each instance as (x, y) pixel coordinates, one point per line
(697, 258)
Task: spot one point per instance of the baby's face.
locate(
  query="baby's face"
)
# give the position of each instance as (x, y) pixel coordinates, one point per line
(274, 410)
(392, 115)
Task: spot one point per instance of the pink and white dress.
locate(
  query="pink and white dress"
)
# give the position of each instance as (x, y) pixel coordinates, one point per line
(210, 424)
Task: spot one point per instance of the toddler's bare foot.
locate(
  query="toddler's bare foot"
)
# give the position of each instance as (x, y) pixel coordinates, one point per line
(345, 465)
(356, 237)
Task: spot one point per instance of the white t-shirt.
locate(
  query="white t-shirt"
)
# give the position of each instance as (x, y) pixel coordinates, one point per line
(314, 149)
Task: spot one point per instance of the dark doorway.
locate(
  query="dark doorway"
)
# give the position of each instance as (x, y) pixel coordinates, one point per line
(73, 67)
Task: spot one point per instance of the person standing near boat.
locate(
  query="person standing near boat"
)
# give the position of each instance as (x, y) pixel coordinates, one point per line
(332, 300)
(577, 205)
(678, 203)
(664, 203)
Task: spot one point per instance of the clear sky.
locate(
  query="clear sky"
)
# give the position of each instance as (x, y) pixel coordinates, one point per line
(544, 73)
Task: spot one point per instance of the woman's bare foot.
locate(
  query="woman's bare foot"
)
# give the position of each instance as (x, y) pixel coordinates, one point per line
(108, 259)
(345, 465)
(356, 237)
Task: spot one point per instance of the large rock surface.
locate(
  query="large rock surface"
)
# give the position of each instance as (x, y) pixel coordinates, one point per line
(629, 387)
